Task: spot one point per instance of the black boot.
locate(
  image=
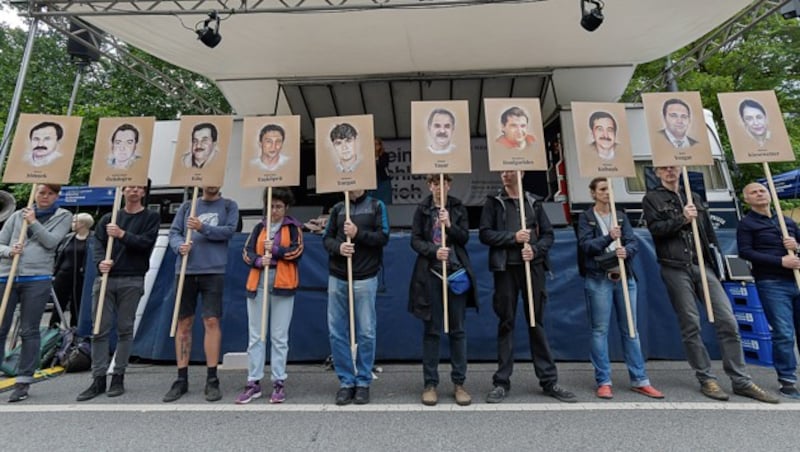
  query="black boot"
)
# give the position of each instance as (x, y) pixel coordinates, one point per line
(116, 388)
(98, 387)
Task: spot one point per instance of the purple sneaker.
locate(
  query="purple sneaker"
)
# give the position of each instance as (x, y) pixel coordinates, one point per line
(251, 391)
(278, 394)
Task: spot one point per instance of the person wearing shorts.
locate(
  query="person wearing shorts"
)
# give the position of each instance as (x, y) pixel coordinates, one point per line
(212, 226)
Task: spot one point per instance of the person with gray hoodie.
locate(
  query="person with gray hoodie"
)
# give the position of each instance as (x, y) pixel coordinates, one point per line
(47, 225)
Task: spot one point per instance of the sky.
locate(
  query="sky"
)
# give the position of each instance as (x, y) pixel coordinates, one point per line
(9, 16)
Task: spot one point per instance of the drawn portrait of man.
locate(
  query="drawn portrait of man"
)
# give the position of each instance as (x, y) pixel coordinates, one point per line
(44, 144)
(441, 127)
(603, 129)
(124, 147)
(514, 125)
(203, 146)
(677, 118)
(754, 120)
(344, 139)
(270, 144)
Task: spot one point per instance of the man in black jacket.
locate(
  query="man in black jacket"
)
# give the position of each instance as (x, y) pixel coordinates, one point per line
(511, 245)
(669, 217)
(135, 234)
(425, 293)
(368, 232)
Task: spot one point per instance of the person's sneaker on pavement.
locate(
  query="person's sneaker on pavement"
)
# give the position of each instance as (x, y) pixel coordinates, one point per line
(789, 390)
(178, 389)
(344, 396)
(251, 391)
(560, 394)
(20, 392)
(712, 390)
(361, 396)
(213, 393)
(756, 393)
(429, 396)
(278, 392)
(496, 395)
(649, 391)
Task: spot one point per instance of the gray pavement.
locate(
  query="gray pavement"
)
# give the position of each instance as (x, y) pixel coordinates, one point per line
(395, 420)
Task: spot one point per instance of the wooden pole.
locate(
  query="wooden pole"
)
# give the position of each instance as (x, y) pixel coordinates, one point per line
(350, 297)
(265, 268)
(98, 316)
(779, 213)
(523, 223)
(623, 274)
(23, 231)
(182, 273)
(445, 310)
(698, 248)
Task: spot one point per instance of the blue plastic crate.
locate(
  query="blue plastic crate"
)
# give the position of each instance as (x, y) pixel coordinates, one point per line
(757, 349)
(742, 294)
(752, 321)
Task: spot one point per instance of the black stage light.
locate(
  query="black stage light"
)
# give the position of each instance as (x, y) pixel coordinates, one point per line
(210, 35)
(591, 19)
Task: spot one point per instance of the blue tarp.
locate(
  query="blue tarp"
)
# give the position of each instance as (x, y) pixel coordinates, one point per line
(399, 333)
(787, 184)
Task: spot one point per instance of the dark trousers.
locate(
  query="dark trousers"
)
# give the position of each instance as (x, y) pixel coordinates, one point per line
(508, 286)
(69, 290)
(32, 296)
(456, 306)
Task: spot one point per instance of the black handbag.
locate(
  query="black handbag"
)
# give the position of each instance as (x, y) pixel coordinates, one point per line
(608, 261)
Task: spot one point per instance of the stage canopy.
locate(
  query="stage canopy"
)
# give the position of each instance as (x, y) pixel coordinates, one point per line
(321, 58)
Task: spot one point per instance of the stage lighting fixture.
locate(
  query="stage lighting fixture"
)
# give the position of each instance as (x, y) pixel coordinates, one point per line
(209, 35)
(591, 19)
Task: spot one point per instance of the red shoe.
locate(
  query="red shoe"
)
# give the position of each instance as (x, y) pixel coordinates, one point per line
(649, 391)
(604, 392)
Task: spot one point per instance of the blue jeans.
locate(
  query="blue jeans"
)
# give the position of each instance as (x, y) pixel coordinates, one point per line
(32, 296)
(364, 291)
(603, 296)
(781, 302)
(280, 317)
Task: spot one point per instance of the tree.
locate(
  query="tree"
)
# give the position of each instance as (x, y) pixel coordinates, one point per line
(765, 58)
(106, 90)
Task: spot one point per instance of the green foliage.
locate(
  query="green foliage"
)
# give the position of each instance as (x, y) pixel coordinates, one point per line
(106, 90)
(765, 58)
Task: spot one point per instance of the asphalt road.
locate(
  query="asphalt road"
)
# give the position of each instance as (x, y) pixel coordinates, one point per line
(395, 420)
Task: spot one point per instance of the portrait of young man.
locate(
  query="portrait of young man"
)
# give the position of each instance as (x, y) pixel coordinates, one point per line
(270, 144)
(514, 125)
(124, 147)
(677, 120)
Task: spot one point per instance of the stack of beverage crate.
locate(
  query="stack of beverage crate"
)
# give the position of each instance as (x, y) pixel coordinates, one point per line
(753, 326)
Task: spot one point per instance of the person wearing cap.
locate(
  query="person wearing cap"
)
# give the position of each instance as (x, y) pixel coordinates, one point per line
(425, 299)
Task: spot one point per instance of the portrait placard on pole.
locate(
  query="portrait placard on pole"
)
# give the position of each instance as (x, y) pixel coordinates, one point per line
(603, 139)
(43, 149)
(271, 151)
(440, 137)
(515, 136)
(677, 129)
(755, 127)
(122, 151)
(201, 151)
(345, 153)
